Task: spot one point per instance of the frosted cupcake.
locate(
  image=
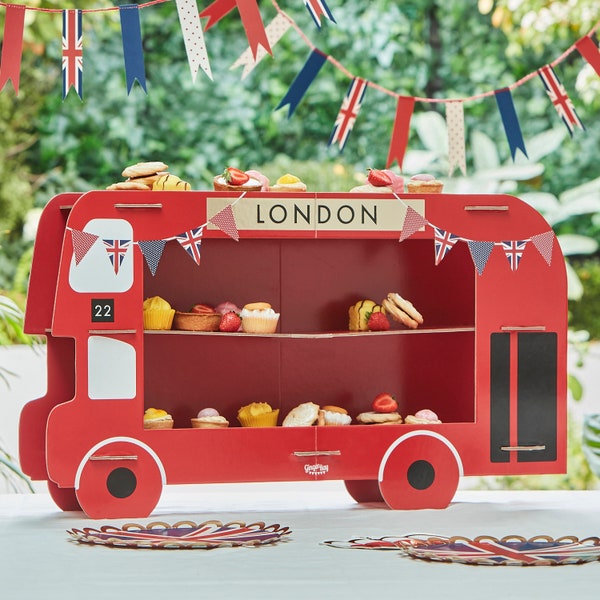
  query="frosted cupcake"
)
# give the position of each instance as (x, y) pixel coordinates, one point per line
(259, 317)
(424, 184)
(158, 313)
(209, 418)
(288, 183)
(257, 414)
(156, 418)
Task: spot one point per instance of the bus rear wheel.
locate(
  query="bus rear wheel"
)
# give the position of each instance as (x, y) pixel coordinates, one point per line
(419, 470)
(119, 479)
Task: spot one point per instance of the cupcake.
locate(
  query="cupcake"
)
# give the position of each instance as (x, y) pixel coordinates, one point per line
(381, 182)
(156, 418)
(288, 183)
(233, 179)
(257, 414)
(209, 418)
(259, 317)
(424, 184)
(158, 313)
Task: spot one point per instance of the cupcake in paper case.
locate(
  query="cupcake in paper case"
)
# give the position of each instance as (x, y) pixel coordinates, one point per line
(257, 414)
(259, 317)
(424, 184)
(157, 418)
(158, 313)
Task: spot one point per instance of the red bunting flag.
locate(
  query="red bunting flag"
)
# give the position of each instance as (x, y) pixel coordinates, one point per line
(413, 221)
(12, 47)
(544, 243)
(82, 242)
(590, 52)
(399, 141)
(225, 221)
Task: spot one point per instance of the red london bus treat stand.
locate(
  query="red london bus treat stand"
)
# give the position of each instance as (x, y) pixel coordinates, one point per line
(490, 359)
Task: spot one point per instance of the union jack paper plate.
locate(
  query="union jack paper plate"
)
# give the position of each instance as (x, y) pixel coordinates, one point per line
(387, 542)
(515, 550)
(181, 535)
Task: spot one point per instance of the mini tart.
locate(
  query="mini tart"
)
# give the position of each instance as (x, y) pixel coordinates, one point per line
(424, 184)
(304, 415)
(213, 422)
(155, 418)
(221, 185)
(288, 183)
(368, 418)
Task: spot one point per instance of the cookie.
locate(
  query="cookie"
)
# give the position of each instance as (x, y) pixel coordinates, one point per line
(128, 185)
(368, 418)
(144, 169)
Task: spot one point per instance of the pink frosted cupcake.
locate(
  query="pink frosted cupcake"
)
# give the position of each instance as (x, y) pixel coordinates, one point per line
(259, 317)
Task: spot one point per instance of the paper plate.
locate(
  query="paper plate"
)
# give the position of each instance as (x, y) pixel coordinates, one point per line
(181, 535)
(388, 542)
(515, 550)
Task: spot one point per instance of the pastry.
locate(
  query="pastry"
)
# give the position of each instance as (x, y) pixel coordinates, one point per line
(209, 418)
(232, 179)
(158, 313)
(257, 414)
(359, 314)
(422, 417)
(171, 182)
(259, 317)
(128, 185)
(264, 181)
(368, 418)
(333, 415)
(402, 310)
(201, 317)
(145, 173)
(424, 184)
(288, 183)
(157, 418)
(303, 415)
(381, 182)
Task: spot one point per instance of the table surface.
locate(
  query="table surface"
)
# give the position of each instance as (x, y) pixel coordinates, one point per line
(38, 559)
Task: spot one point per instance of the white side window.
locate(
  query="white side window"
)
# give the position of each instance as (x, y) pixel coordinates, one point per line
(111, 369)
(107, 266)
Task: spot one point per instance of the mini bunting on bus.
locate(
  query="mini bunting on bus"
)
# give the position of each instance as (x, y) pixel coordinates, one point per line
(72, 52)
(133, 53)
(510, 121)
(413, 221)
(116, 250)
(544, 243)
(225, 221)
(82, 242)
(152, 251)
(12, 46)
(318, 9)
(513, 250)
(443, 242)
(560, 99)
(480, 252)
(190, 241)
(348, 112)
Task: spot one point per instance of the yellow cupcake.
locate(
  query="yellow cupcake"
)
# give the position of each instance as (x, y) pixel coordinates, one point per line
(158, 313)
(257, 414)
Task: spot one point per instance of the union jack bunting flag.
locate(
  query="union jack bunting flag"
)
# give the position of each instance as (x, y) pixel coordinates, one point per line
(191, 241)
(560, 99)
(514, 251)
(72, 52)
(348, 112)
(318, 8)
(116, 249)
(443, 242)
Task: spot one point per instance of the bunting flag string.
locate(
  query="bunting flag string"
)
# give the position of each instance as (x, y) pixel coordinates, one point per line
(190, 241)
(193, 38)
(510, 121)
(514, 251)
(443, 242)
(82, 243)
(116, 250)
(318, 9)
(72, 52)
(12, 46)
(152, 251)
(480, 252)
(225, 221)
(348, 112)
(560, 99)
(133, 53)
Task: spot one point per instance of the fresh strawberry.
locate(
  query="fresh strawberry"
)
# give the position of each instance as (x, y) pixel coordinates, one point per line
(234, 176)
(385, 403)
(230, 322)
(379, 178)
(202, 309)
(378, 322)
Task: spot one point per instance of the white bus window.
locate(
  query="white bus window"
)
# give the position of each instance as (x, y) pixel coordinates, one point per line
(111, 369)
(107, 266)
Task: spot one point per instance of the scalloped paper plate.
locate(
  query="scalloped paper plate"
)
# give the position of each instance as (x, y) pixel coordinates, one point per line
(513, 550)
(181, 535)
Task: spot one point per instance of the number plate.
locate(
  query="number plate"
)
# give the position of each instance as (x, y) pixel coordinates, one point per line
(103, 310)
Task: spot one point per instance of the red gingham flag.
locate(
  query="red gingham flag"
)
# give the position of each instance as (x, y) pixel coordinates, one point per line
(225, 221)
(72, 52)
(82, 242)
(348, 112)
(560, 99)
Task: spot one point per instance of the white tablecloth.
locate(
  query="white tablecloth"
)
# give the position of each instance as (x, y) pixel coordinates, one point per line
(38, 560)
